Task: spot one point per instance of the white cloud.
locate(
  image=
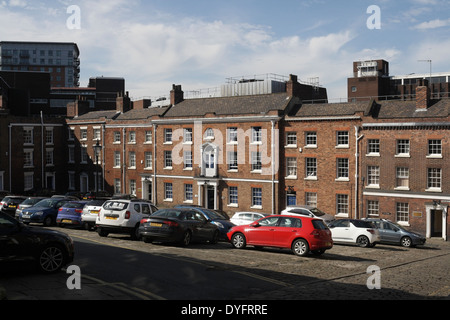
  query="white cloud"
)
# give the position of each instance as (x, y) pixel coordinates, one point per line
(433, 24)
(18, 3)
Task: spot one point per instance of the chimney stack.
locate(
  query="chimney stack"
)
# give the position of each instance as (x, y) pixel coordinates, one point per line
(176, 95)
(123, 102)
(78, 107)
(292, 86)
(422, 96)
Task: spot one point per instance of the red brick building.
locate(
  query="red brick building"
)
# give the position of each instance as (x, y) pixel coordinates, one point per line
(256, 152)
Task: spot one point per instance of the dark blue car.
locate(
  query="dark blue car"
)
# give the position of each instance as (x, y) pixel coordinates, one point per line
(70, 213)
(222, 222)
(45, 211)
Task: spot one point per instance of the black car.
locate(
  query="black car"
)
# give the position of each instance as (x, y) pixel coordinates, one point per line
(51, 250)
(9, 204)
(181, 225)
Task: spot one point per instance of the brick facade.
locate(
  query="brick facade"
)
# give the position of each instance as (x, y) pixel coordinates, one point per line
(261, 153)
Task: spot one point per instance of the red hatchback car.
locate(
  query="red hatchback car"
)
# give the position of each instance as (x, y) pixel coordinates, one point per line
(300, 234)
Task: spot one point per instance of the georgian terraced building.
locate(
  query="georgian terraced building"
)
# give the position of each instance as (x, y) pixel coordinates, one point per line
(259, 150)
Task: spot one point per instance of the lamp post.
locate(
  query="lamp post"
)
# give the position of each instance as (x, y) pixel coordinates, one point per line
(97, 148)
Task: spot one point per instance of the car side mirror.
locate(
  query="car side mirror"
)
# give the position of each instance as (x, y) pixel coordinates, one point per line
(255, 224)
(396, 229)
(330, 226)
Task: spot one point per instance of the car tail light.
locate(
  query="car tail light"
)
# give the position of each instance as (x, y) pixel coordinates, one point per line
(371, 231)
(127, 215)
(144, 221)
(171, 223)
(78, 210)
(315, 233)
(60, 209)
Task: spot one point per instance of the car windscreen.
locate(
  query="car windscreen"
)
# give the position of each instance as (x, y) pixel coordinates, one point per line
(73, 205)
(47, 203)
(95, 203)
(214, 215)
(362, 224)
(317, 212)
(318, 224)
(115, 205)
(31, 201)
(168, 213)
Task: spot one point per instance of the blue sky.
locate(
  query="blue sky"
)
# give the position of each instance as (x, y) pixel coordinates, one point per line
(200, 43)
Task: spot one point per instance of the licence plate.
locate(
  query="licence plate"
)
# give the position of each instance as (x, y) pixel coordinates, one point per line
(11, 206)
(66, 221)
(153, 224)
(111, 218)
(94, 211)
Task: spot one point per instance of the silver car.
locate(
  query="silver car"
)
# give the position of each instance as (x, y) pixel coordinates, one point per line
(393, 233)
(90, 213)
(309, 211)
(29, 202)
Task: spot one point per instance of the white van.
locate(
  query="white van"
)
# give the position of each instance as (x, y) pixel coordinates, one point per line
(309, 211)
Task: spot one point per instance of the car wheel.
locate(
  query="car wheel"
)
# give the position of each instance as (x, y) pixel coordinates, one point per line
(87, 226)
(48, 221)
(136, 234)
(363, 241)
(147, 240)
(102, 233)
(300, 247)
(51, 259)
(186, 239)
(406, 242)
(238, 241)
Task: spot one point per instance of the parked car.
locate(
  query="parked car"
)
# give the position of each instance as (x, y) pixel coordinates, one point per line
(360, 232)
(241, 218)
(309, 211)
(90, 213)
(70, 213)
(29, 202)
(45, 211)
(51, 250)
(181, 225)
(393, 233)
(9, 204)
(220, 220)
(97, 195)
(299, 233)
(123, 216)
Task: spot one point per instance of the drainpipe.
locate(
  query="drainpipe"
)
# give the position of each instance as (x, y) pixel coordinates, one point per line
(357, 169)
(154, 200)
(42, 151)
(103, 156)
(124, 162)
(9, 154)
(273, 165)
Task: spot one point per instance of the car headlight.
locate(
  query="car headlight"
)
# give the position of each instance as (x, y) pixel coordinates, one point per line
(218, 224)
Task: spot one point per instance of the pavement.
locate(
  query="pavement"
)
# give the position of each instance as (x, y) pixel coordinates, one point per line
(31, 285)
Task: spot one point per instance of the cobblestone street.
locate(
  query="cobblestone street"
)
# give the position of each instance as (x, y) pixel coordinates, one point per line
(340, 273)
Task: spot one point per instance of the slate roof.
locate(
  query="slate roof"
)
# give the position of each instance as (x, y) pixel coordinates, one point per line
(392, 109)
(97, 115)
(257, 104)
(137, 114)
(332, 109)
(407, 109)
